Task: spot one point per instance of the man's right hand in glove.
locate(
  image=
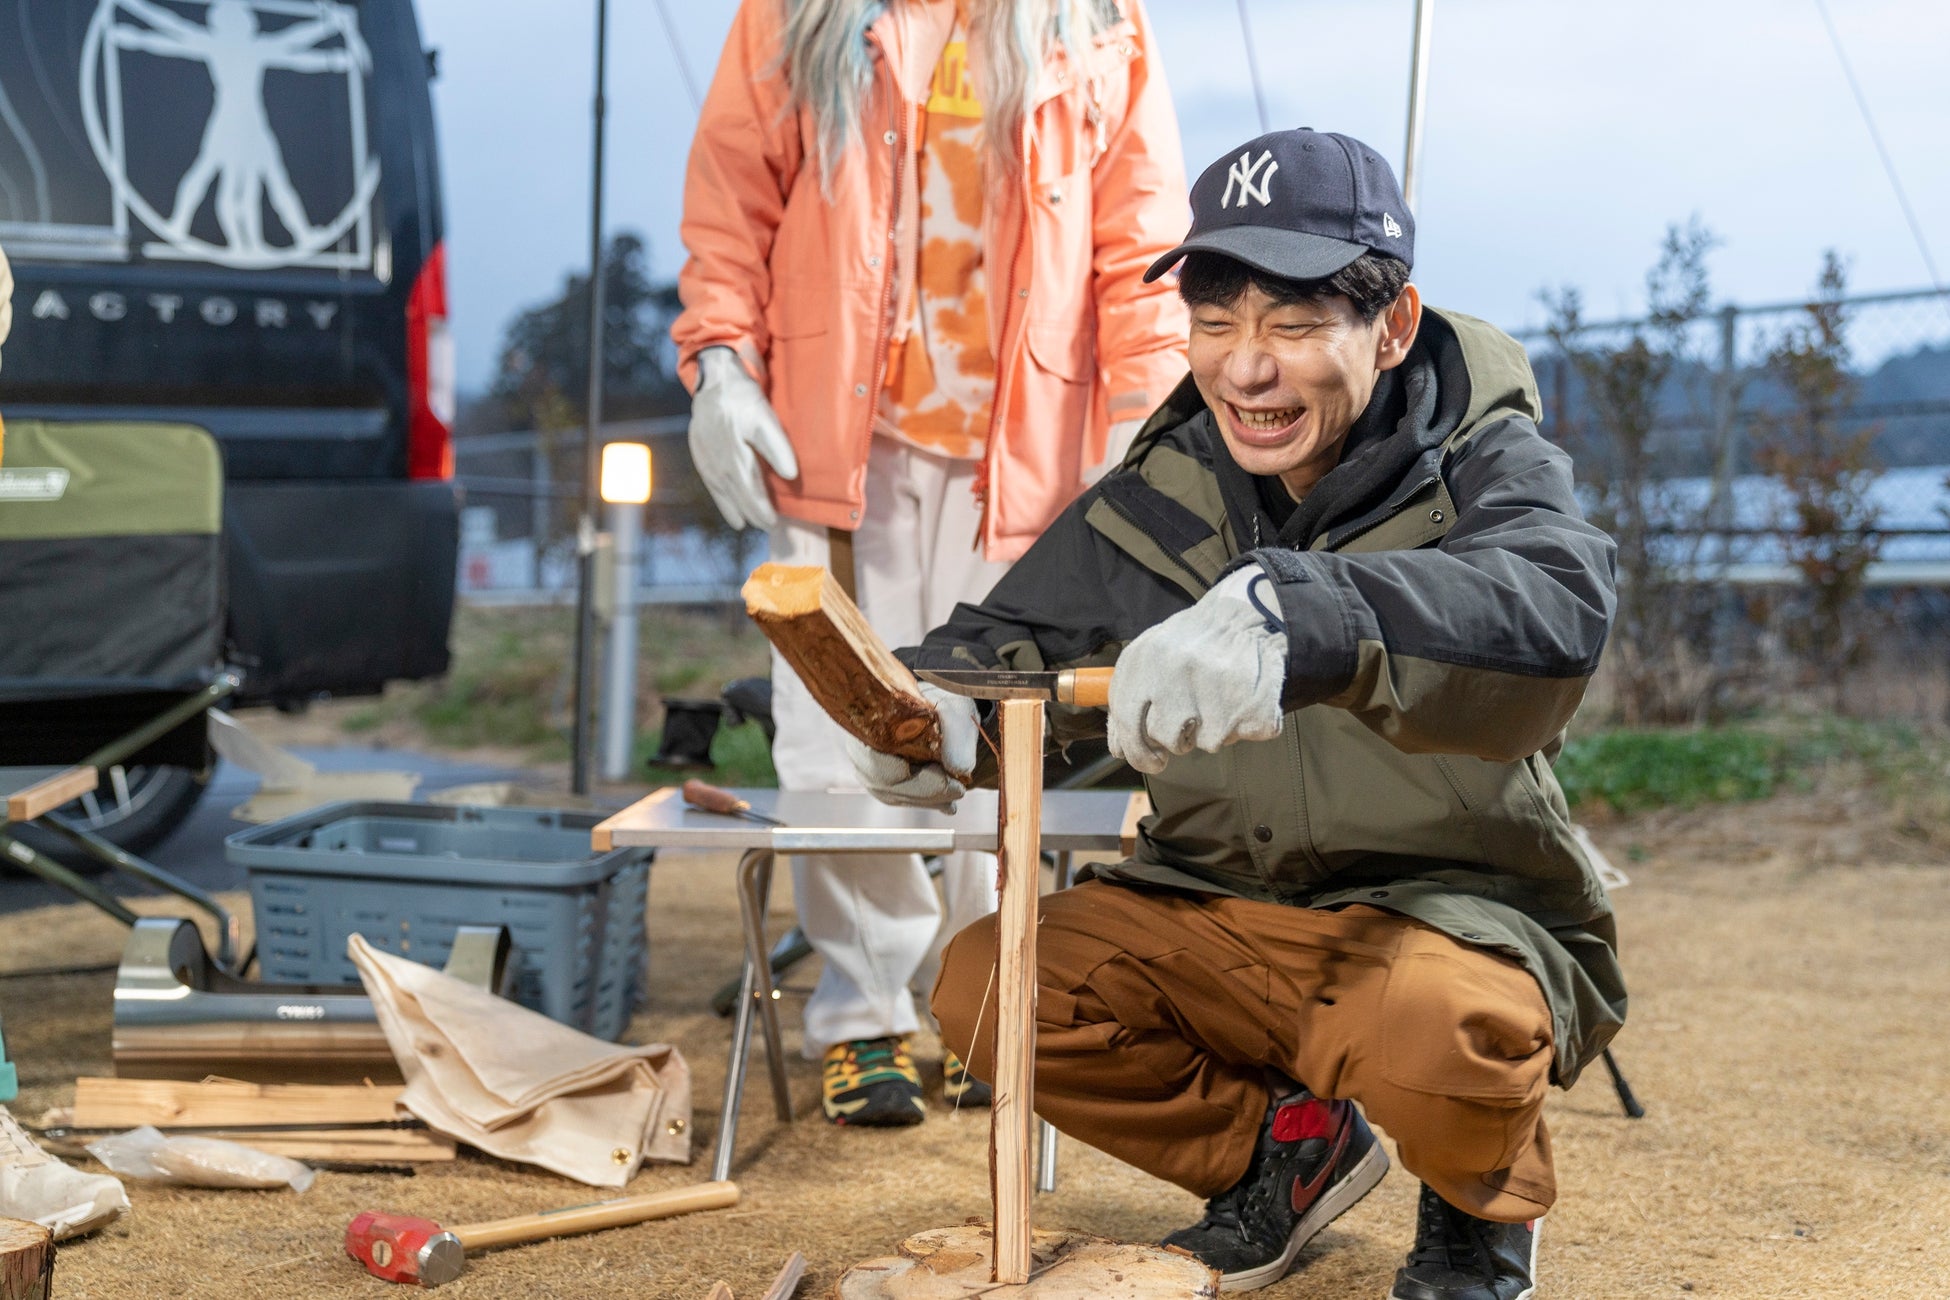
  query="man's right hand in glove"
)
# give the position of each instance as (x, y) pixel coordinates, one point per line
(923, 785)
(730, 420)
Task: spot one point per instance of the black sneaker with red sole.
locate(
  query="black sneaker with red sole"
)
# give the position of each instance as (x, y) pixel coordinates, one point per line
(1314, 1160)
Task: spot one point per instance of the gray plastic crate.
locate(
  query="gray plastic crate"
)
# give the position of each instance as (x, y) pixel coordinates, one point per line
(407, 875)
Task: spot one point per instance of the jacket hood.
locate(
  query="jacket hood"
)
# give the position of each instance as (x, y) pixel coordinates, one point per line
(1497, 369)
(1461, 374)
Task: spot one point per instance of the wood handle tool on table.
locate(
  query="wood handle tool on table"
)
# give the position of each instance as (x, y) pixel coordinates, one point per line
(706, 797)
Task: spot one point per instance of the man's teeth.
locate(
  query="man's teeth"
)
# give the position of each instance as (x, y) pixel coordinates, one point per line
(1267, 419)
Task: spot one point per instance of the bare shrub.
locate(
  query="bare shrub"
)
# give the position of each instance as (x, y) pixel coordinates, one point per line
(1659, 666)
(1827, 519)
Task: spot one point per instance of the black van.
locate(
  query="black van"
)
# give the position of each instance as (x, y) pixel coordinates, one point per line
(227, 213)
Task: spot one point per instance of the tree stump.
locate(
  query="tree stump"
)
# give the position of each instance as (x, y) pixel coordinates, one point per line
(954, 1263)
(26, 1260)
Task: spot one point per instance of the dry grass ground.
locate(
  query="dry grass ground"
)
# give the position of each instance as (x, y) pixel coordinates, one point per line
(1789, 970)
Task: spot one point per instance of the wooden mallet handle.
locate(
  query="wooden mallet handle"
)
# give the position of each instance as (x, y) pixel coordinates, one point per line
(595, 1217)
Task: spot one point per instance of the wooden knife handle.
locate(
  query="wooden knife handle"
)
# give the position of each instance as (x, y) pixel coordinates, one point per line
(1086, 688)
(713, 799)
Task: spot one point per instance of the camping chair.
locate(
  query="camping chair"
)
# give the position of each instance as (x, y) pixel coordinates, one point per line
(111, 594)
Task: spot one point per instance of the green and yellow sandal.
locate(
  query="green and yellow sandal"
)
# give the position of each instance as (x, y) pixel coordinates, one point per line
(871, 1083)
(960, 1088)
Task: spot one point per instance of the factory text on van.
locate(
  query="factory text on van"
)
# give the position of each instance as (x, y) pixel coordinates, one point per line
(267, 313)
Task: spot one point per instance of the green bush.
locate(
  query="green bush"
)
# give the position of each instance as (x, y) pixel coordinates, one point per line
(1635, 770)
(1631, 770)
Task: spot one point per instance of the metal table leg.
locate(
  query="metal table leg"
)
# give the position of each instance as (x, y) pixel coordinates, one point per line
(755, 891)
(1046, 1131)
(754, 991)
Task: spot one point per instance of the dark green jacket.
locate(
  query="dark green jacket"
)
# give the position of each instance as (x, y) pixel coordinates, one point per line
(1445, 603)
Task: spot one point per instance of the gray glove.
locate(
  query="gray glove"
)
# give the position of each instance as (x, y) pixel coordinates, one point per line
(923, 785)
(730, 419)
(1206, 677)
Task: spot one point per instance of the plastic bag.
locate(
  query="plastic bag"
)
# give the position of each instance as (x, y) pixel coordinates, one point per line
(62, 1199)
(145, 1154)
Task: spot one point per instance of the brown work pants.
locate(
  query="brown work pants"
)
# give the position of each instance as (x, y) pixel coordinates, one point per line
(1160, 1014)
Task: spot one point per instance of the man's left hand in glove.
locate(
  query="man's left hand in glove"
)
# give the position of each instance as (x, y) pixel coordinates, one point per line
(1206, 677)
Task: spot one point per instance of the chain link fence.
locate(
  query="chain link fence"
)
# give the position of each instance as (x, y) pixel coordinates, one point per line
(1723, 386)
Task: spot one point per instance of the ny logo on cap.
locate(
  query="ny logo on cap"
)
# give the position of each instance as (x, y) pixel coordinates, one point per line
(1251, 181)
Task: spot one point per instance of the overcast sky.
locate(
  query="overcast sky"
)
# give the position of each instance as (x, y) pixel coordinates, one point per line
(1562, 138)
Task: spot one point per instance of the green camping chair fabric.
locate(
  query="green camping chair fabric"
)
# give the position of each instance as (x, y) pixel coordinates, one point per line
(110, 559)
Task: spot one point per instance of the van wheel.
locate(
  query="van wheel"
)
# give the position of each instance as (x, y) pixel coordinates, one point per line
(134, 808)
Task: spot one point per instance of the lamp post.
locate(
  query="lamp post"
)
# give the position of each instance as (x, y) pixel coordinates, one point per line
(625, 490)
(585, 641)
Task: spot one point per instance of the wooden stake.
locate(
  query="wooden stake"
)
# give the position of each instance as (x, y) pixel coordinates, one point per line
(1012, 1126)
(26, 1260)
(173, 1103)
(844, 664)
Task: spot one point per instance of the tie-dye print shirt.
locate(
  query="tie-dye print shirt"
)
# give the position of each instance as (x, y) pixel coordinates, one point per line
(940, 369)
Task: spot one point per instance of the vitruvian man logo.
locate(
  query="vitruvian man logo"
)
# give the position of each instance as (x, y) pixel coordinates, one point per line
(1252, 178)
(1389, 227)
(239, 166)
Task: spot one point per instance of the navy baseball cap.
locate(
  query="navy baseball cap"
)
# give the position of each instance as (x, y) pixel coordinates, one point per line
(1299, 204)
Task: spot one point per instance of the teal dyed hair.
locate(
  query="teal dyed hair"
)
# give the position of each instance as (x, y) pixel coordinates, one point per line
(830, 68)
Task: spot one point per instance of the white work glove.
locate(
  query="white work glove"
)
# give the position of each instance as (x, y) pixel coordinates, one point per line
(6, 296)
(1204, 678)
(730, 419)
(896, 780)
(1122, 435)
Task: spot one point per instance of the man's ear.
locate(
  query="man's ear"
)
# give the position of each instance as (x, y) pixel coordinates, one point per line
(1399, 325)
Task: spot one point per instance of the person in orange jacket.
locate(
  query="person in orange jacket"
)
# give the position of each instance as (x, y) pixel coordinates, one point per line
(915, 325)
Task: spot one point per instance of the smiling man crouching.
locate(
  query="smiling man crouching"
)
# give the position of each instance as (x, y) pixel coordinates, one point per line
(1352, 605)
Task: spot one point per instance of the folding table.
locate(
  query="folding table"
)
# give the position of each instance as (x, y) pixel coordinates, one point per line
(1073, 821)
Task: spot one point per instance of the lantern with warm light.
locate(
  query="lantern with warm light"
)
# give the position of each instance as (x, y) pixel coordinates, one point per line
(625, 486)
(626, 473)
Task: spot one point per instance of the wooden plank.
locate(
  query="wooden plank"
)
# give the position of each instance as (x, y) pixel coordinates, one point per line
(110, 1103)
(1012, 1129)
(844, 664)
(602, 837)
(787, 1280)
(50, 792)
(1135, 811)
(371, 1145)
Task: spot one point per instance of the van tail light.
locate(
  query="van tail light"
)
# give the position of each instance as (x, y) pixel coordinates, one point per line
(429, 374)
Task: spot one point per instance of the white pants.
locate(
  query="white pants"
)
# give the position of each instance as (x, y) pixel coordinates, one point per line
(874, 916)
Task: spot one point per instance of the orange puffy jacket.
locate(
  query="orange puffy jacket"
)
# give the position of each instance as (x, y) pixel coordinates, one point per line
(800, 284)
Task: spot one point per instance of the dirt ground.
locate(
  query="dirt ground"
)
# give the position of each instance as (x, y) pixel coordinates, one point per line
(1789, 968)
